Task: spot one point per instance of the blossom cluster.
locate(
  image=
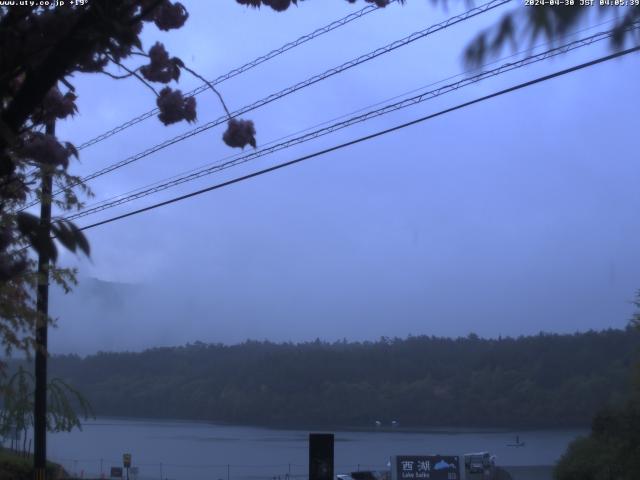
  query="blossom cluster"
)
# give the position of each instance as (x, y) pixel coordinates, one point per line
(174, 107)
(277, 5)
(161, 68)
(281, 5)
(45, 149)
(240, 133)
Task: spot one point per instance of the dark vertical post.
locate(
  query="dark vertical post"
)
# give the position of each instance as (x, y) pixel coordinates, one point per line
(42, 306)
(321, 456)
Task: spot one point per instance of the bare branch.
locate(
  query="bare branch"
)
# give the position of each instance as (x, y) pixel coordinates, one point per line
(117, 77)
(68, 84)
(131, 72)
(182, 65)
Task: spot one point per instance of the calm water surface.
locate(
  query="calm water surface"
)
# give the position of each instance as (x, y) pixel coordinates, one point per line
(199, 451)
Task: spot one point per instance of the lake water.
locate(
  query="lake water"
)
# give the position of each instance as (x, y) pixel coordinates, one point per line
(199, 451)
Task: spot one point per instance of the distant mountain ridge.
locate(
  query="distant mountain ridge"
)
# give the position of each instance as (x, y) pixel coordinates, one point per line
(93, 315)
(547, 380)
(102, 290)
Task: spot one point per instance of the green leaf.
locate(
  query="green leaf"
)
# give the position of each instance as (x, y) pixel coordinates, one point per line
(81, 240)
(70, 236)
(64, 235)
(29, 226)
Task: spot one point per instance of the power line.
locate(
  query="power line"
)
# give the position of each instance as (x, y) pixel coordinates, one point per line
(368, 137)
(414, 100)
(287, 91)
(362, 109)
(237, 71)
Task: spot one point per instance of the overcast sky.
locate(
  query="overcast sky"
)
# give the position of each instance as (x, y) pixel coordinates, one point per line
(514, 216)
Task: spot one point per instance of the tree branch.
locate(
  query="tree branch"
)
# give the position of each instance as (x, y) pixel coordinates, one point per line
(209, 84)
(131, 72)
(117, 77)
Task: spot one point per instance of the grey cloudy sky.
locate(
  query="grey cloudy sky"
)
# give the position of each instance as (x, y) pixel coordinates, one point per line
(514, 216)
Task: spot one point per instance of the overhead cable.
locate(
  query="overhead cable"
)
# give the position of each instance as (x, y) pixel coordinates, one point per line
(287, 91)
(422, 97)
(335, 119)
(366, 137)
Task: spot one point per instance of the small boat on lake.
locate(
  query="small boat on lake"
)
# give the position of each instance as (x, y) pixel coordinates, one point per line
(517, 444)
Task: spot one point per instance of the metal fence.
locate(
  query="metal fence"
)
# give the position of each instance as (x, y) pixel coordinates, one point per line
(100, 468)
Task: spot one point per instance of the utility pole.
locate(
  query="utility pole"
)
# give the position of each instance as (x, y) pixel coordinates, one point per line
(42, 306)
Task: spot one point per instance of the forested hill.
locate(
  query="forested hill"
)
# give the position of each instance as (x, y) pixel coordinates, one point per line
(538, 381)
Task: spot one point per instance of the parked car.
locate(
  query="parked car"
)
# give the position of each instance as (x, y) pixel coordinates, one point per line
(480, 462)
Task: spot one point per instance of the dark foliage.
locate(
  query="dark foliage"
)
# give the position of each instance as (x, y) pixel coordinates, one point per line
(174, 107)
(18, 467)
(161, 68)
(282, 5)
(41, 47)
(240, 133)
(528, 25)
(611, 452)
(539, 381)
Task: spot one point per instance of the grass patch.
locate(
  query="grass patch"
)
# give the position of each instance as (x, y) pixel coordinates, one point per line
(14, 466)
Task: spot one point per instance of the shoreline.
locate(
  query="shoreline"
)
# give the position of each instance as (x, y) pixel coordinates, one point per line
(445, 430)
(530, 472)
